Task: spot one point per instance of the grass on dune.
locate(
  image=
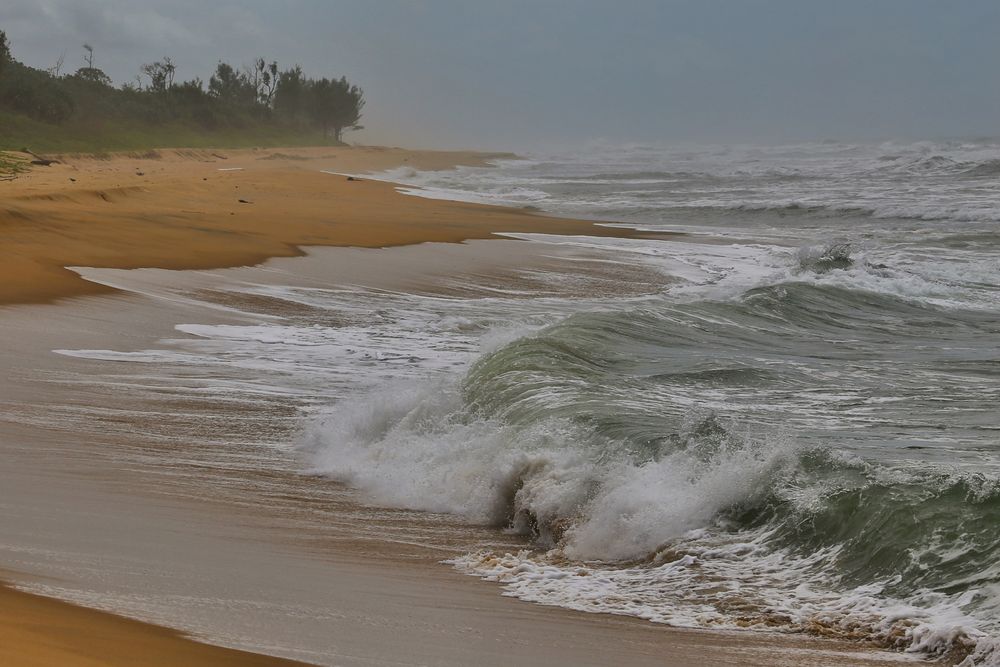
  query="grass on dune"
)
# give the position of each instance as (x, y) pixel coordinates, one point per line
(11, 165)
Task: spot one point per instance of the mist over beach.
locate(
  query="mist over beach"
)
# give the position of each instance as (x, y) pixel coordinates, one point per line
(346, 333)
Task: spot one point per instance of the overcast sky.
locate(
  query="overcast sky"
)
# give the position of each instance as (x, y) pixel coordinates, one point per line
(517, 73)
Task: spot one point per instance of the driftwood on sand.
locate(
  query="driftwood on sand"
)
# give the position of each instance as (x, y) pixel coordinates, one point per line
(39, 160)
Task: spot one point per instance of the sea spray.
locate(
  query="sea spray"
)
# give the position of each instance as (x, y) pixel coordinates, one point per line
(553, 480)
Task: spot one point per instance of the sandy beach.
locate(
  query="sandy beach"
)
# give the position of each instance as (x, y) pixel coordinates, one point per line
(115, 503)
(205, 209)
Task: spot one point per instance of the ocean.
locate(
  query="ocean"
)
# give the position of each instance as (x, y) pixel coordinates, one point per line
(783, 416)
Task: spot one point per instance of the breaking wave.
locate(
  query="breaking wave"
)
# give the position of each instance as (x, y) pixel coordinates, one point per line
(644, 446)
(800, 435)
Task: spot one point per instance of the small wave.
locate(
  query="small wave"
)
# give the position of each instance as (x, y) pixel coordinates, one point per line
(940, 164)
(987, 168)
(932, 211)
(651, 176)
(927, 164)
(826, 258)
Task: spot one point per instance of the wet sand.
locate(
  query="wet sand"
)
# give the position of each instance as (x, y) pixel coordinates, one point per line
(42, 632)
(143, 506)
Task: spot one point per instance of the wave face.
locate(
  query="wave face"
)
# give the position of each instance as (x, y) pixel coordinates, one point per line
(801, 433)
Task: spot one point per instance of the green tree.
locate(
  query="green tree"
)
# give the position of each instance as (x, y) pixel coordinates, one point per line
(335, 105)
(160, 73)
(231, 87)
(34, 93)
(4, 51)
(93, 75)
(191, 101)
(263, 77)
(253, 98)
(291, 96)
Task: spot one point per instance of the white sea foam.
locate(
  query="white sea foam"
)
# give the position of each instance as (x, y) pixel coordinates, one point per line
(947, 181)
(416, 447)
(702, 586)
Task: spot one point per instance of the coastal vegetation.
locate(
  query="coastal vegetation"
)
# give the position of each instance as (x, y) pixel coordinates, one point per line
(253, 105)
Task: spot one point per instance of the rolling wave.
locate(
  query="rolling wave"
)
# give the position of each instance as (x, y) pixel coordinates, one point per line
(672, 435)
(799, 434)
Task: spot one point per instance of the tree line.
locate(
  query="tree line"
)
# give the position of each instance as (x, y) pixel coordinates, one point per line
(260, 93)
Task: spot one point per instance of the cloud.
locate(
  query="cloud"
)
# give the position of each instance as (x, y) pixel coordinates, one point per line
(512, 73)
(125, 33)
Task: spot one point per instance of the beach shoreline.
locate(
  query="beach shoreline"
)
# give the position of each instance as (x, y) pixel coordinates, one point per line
(198, 209)
(132, 212)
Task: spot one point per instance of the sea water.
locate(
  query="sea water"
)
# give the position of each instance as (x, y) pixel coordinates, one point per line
(795, 429)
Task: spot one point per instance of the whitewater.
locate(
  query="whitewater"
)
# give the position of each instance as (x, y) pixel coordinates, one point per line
(783, 417)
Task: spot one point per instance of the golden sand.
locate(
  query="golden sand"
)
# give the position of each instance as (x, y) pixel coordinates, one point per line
(196, 210)
(41, 632)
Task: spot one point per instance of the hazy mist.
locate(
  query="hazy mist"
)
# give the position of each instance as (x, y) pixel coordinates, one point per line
(518, 73)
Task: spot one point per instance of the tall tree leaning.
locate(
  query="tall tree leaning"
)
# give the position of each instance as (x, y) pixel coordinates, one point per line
(335, 105)
(4, 50)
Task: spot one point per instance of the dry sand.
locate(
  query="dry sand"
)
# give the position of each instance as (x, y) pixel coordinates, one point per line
(262, 563)
(180, 210)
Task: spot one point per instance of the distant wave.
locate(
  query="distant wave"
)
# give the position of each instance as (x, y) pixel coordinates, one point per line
(961, 212)
(925, 164)
(984, 169)
(948, 181)
(942, 165)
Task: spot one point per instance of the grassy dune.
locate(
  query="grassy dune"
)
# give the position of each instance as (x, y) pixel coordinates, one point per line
(11, 165)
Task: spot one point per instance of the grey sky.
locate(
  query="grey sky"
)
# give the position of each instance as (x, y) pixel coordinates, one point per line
(513, 73)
